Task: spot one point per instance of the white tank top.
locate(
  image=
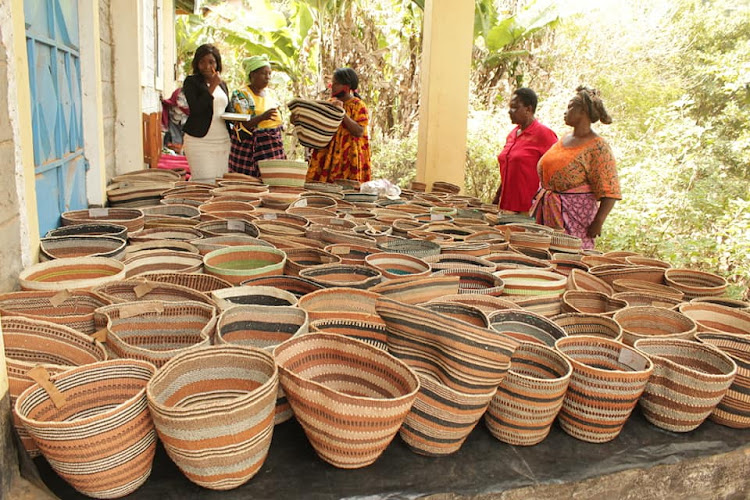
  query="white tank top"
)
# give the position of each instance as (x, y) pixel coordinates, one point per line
(218, 129)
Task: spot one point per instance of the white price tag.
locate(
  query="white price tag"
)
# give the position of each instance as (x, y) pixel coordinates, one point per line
(235, 225)
(437, 217)
(632, 360)
(269, 216)
(98, 212)
(302, 203)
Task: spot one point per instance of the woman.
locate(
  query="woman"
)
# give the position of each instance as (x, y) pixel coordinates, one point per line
(347, 156)
(578, 174)
(523, 147)
(260, 137)
(206, 139)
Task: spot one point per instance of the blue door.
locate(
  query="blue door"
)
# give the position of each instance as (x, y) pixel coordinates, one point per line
(53, 48)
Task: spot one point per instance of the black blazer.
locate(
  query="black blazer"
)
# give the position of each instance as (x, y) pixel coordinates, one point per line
(201, 105)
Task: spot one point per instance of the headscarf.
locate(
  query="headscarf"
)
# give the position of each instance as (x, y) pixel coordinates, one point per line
(592, 104)
(252, 63)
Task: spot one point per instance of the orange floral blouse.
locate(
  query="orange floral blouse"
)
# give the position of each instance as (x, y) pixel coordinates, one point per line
(346, 156)
(563, 168)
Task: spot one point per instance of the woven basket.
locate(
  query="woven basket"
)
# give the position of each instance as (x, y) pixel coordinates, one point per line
(591, 303)
(651, 274)
(315, 121)
(418, 291)
(228, 226)
(132, 218)
(647, 299)
(725, 301)
(564, 267)
(459, 261)
(415, 248)
(81, 246)
(627, 285)
(315, 201)
(561, 242)
(651, 322)
(101, 440)
(172, 210)
(485, 303)
(513, 260)
(463, 357)
(734, 409)
(530, 239)
(252, 296)
(74, 309)
(463, 312)
(332, 237)
(716, 318)
(689, 380)
(200, 282)
(238, 264)
(546, 305)
(207, 245)
(298, 259)
(351, 254)
(594, 325)
(73, 273)
(169, 245)
(581, 280)
(445, 187)
(646, 261)
(368, 329)
(398, 265)
(475, 281)
(162, 261)
(530, 282)
(29, 343)
(695, 283)
(134, 290)
(473, 249)
(295, 285)
(226, 206)
(526, 326)
(608, 378)
(536, 253)
(283, 172)
(263, 327)
(331, 275)
(530, 396)
(155, 331)
(337, 302)
(102, 228)
(340, 387)
(218, 434)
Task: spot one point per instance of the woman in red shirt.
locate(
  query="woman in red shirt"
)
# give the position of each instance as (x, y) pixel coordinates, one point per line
(524, 146)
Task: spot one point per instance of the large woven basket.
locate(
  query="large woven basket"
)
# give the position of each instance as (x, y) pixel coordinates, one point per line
(456, 310)
(530, 282)
(298, 259)
(695, 283)
(57, 348)
(418, 291)
(688, 382)
(206, 245)
(101, 438)
(331, 275)
(546, 305)
(293, 284)
(237, 264)
(201, 282)
(74, 309)
(734, 409)
(725, 301)
(315, 121)
(134, 290)
(263, 327)
(227, 226)
(530, 396)
(647, 299)
(369, 329)
(396, 265)
(338, 302)
(93, 229)
(594, 325)
(213, 409)
(526, 326)
(132, 218)
(513, 260)
(57, 247)
(73, 273)
(340, 387)
(283, 172)
(717, 318)
(473, 280)
(162, 261)
(155, 331)
(582, 280)
(591, 303)
(252, 295)
(415, 248)
(627, 285)
(486, 303)
(351, 254)
(446, 261)
(166, 233)
(164, 245)
(650, 322)
(608, 378)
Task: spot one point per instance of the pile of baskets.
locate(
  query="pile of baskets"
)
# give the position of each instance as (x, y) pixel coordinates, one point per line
(205, 315)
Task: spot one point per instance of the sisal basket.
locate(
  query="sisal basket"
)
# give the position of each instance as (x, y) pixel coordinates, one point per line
(132, 218)
(626, 285)
(462, 312)
(526, 326)
(338, 302)
(582, 280)
(398, 265)
(650, 322)
(74, 309)
(369, 329)
(237, 264)
(73, 273)
(93, 229)
(283, 172)
(201, 282)
(635, 299)
(331, 275)
(717, 318)
(295, 285)
(252, 296)
(591, 303)
(418, 291)
(298, 259)
(695, 283)
(62, 247)
(162, 261)
(134, 290)
(486, 303)
(593, 325)
(530, 282)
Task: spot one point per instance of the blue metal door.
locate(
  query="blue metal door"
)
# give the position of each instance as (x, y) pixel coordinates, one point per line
(52, 44)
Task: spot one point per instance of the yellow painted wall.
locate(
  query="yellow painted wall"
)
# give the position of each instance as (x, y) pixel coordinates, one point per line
(446, 66)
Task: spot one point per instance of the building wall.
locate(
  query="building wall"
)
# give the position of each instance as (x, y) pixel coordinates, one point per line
(108, 86)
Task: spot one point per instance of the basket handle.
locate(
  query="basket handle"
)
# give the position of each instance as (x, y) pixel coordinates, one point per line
(41, 376)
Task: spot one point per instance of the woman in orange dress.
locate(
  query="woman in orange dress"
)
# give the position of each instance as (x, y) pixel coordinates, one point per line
(347, 156)
(579, 183)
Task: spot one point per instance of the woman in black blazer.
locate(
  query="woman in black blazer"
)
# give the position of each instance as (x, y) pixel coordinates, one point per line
(206, 134)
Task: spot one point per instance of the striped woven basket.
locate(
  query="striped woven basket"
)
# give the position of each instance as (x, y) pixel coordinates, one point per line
(315, 201)
(58, 247)
(339, 301)
(74, 309)
(459, 261)
(418, 291)
(725, 301)
(57, 348)
(608, 378)
(332, 236)
(536, 253)
(298, 259)
(475, 281)
(581, 280)
(134, 290)
(217, 433)
(227, 226)
(646, 261)
(315, 121)
(340, 387)
(445, 187)
(526, 326)
(647, 299)
(201, 282)
(591, 303)
(237, 264)
(462, 312)
(252, 296)
(530, 396)
(132, 218)
(530, 239)
(650, 322)
(398, 265)
(594, 325)
(226, 206)
(689, 380)
(73, 273)
(366, 328)
(485, 303)
(100, 438)
(295, 285)
(561, 242)
(474, 249)
(513, 260)
(93, 229)
(734, 409)
(462, 356)
(695, 283)
(415, 248)
(564, 266)
(263, 327)
(530, 282)
(207, 245)
(171, 210)
(162, 261)
(331, 275)
(716, 318)
(626, 285)
(155, 331)
(283, 172)
(651, 274)
(546, 305)
(169, 245)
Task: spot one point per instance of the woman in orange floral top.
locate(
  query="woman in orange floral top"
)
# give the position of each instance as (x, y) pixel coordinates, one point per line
(347, 156)
(579, 183)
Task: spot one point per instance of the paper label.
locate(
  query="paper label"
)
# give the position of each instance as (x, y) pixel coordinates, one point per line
(340, 250)
(98, 212)
(632, 360)
(235, 225)
(100, 335)
(269, 216)
(137, 309)
(60, 297)
(338, 222)
(302, 203)
(143, 289)
(437, 217)
(39, 375)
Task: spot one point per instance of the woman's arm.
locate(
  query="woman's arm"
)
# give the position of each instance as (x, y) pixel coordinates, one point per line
(198, 99)
(605, 206)
(353, 127)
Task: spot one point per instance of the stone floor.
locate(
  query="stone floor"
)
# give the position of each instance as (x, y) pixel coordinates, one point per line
(643, 462)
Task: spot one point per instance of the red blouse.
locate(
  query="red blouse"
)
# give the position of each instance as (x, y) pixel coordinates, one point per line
(518, 161)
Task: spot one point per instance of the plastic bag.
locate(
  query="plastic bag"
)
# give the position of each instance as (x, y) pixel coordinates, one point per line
(381, 187)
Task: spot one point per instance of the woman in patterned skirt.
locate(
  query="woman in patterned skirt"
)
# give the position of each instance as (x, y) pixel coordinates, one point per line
(347, 156)
(579, 183)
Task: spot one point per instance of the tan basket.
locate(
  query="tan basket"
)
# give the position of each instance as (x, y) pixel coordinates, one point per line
(653, 322)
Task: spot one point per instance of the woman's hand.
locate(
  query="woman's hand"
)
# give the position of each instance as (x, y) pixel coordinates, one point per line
(268, 114)
(337, 102)
(605, 206)
(213, 81)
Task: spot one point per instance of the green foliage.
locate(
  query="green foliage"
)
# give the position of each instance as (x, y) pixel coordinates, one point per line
(394, 158)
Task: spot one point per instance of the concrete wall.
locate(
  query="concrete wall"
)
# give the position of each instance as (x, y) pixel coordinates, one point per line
(108, 87)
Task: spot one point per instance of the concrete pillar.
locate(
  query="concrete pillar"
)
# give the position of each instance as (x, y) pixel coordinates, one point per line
(126, 42)
(448, 35)
(168, 46)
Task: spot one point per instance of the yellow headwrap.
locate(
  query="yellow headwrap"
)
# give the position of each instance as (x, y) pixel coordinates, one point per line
(252, 63)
